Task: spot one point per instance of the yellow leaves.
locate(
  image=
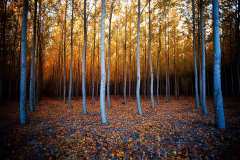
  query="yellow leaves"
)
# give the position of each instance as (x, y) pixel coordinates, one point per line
(118, 154)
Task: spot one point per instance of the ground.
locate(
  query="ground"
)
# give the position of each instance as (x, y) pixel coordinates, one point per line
(172, 130)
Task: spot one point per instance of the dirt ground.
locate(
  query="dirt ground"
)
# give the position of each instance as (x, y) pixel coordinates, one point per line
(172, 130)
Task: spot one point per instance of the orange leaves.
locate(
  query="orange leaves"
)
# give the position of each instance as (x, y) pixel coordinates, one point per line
(170, 131)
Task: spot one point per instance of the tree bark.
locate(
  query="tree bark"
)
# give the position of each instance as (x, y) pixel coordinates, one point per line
(158, 62)
(32, 70)
(139, 106)
(149, 53)
(109, 55)
(64, 53)
(71, 62)
(93, 54)
(104, 119)
(84, 99)
(195, 58)
(202, 28)
(218, 99)
(23, 74)
(125, 61)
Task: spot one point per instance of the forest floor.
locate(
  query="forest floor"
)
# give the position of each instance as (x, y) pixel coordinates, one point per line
(171, 130)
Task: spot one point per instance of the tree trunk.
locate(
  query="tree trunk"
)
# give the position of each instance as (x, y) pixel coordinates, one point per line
(84, 99)
(204, 107)
(149, 53)
(125, 61)
(93, 54)
(218, 99)
(32, 71)
(195, 58)
(23, 74)
(167, 60)
(71, 62)
(103, 72)
(158, 62)
(109, 56)
(174, 63)
(64, 53)
(199, 61)
(130, 59)
(116, 66)
(139, 106)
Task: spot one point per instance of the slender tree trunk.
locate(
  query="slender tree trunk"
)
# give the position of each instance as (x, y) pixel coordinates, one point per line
(139, 106)
(93, 53)
(166, 57)
(71, 62)
(174, 64)
(64, 54)
(130, 59)
(84, 99)
(149, 52)
(99, 65)
(22, 102)
(116, 66)
(195, 58)
(145, 75)
(125, 61)
(109, 56)
(218, 99)
(199, 60)
(204, 107)
(104, 119)
(32, 70)
(158, 62)
(38, 54)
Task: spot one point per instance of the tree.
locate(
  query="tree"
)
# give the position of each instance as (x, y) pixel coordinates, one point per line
(104, 119)
(93, 53)
(32, 70)
(166, 50)
(149, 51)
(116, 64)
(130, 56)
(109, 55)
(84, 99)
(71, 62)
(158, 61)
(195, 57)
(125, 60)
(23, 74)
(202, 29)
(139, 106)
(64, 53)
(218, 99)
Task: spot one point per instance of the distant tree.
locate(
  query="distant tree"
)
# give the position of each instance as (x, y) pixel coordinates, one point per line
(64, 52)
(218, 99)
(139, 105)
(202, 29)
(109, 54)
(130, 57)
(149, 52)
(23, 74)
(71, 62)
(158, 62)
(93, 52)
(104, 119)
(195, 57)
(32, 70)
(116, 64)
(84, 99)
(166, 40)
(125, 60)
